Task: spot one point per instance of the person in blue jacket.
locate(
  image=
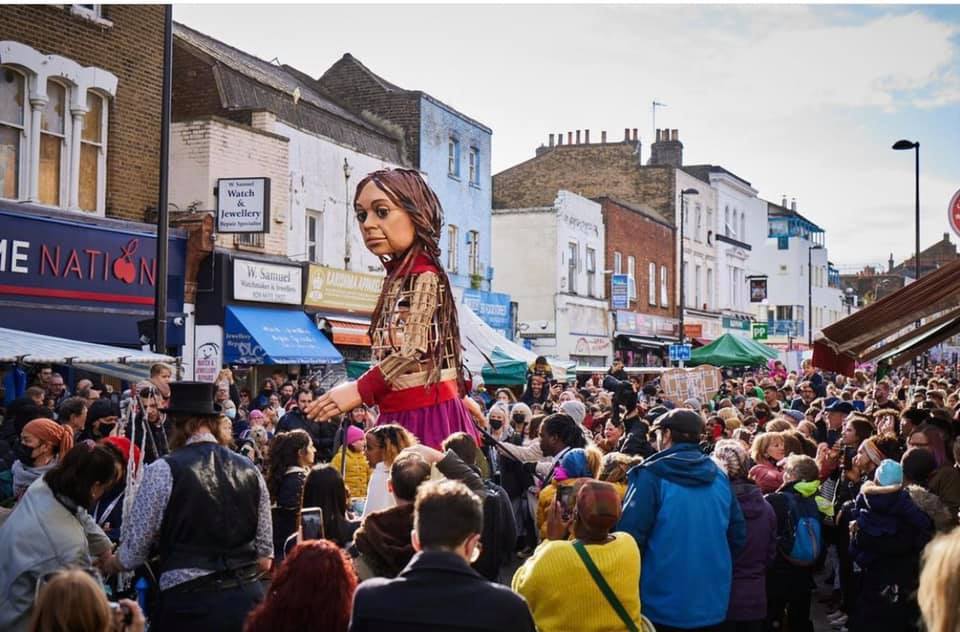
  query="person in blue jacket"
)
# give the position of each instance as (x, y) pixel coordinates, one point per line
(681, 509)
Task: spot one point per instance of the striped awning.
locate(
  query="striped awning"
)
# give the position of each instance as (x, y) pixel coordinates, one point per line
(24, 346)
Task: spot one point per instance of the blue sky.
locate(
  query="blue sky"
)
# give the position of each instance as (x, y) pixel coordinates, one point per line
(799, 100)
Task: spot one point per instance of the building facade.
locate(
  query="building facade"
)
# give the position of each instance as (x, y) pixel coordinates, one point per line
(640, 244)
(562, 311)
(449, 147)
(80, 112)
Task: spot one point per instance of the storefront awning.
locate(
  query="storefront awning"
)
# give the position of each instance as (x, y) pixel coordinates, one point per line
(881, 331)
(262, 335)
(644, 341)
(346, 330)
(24, 346)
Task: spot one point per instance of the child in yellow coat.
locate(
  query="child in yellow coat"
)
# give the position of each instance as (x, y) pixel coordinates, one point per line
(357, 472)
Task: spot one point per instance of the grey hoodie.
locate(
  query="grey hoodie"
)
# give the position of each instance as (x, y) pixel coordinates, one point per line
(24, 476)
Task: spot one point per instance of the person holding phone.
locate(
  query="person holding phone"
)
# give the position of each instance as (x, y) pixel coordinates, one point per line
(575, 468)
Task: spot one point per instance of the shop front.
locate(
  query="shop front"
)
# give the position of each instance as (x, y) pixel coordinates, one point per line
(249, 316)
(341, 303)
(84, 278)
(642, 340)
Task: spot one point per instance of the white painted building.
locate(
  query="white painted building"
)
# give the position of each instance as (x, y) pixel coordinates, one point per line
(701, 315)
(551, 261)
(739, 227)
(800, 279)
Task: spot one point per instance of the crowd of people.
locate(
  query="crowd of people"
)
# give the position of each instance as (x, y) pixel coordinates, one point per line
(596, 503)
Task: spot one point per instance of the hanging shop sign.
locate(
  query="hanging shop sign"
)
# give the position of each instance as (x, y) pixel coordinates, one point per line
(758, 290)
(266, 282)
(619, 291)
(243, 205)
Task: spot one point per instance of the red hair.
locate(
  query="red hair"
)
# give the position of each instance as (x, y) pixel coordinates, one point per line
(312, 590)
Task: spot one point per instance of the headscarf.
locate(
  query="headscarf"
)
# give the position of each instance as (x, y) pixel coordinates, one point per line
(51, 432)
(873, 453)
(731, 457)
(573, 464)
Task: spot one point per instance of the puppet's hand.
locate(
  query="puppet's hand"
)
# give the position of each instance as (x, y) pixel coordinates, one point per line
(338, 400)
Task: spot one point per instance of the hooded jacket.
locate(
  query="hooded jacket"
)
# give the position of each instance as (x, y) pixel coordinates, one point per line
(889, 524)
(383, 540)
(680, 509)
(748, 594)
(931, 505)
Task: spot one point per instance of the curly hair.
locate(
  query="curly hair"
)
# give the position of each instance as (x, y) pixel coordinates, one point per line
(284, 453)
(407, 190)
(562, 426)
(312, 590)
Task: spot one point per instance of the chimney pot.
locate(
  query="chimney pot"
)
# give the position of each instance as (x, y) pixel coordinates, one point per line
(634, 133)
(626, 133)
(674, 135)
(569, 138)
(603, 137)
(783, 201)
(551, 140)
(793, 204)
(578, 137)
(560, 138)
(658, 135)
(586, 134)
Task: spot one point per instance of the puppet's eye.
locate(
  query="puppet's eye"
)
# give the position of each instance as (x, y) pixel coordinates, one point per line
(361, 217)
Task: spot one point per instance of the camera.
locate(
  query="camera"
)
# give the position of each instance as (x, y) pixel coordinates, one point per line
(127, 614)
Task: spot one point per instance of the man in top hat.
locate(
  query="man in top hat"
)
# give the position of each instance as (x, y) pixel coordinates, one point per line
(208, 510)
(830, 431)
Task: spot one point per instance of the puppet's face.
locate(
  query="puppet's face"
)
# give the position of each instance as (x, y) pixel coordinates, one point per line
(387, 228)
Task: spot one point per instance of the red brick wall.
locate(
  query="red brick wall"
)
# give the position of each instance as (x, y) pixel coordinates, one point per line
(132, 49)
(631, 233)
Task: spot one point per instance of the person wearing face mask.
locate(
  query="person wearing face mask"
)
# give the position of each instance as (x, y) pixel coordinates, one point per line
(101, 421)
(42, 442)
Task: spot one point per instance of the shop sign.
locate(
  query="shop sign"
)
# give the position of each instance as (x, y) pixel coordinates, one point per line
(266, 282)
(953, 213)
(342, 290)
(592, 346)
(493, 308)
(736, 323)
(208, 356)
(646, 325)
(619, 291)
(693, 330)
(759, 331)
(44, 257)
(758, 290)
(587, 320)
(243, 205)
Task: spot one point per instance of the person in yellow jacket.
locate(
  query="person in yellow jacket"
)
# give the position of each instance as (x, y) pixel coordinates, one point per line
(575, 467)
(356, 474)
(588, 584)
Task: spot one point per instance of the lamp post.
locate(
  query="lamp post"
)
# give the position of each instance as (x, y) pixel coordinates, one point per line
(347, 169)
(810, 250)
(902, 145)
(683, 275)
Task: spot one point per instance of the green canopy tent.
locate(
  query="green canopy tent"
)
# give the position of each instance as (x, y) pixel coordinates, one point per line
(729, 350)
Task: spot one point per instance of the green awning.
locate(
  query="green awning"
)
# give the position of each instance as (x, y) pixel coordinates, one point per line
(356, 368)
(506, 370)
(730, 350)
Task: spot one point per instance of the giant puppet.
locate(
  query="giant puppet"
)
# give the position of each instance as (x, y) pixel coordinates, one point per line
(417, 376)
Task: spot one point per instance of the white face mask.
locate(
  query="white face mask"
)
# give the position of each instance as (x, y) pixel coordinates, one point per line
(230, 413)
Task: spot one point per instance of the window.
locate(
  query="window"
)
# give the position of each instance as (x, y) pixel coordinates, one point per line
(710, 226)
(685, 274)
(248, 240)
(93, 154)
(664, 288)
(742, 235)
(314, 236)
(698, 290)
(52, 140)
(572, 266)
(591, 271)
(617, 263)
(473, 250)
(632, 278)
(12, 102)
(474, 166)
(698, 227)
(453, 157)
(709, 294)
(726, 221)
(652, 283)
(452, 236)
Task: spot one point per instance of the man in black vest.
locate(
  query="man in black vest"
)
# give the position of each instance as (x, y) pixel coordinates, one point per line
(208, 510)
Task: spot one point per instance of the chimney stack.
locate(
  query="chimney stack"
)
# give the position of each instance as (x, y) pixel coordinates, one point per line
(890, 263)
(586, 134)
(667, 150)
(603, 137)
(551, 140)
(569, 138)
(578, 137)
(793, 204)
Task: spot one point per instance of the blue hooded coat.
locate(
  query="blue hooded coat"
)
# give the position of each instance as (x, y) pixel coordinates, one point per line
(686, 520)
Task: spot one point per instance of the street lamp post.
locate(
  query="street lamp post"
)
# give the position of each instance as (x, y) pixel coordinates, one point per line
(810, 250)
(347, 170)
(902, 145)
(683, 275)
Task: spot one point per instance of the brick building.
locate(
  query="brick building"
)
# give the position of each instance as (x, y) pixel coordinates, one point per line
(80, 118)
(931, 258)
(641, 244)
(88, 83)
